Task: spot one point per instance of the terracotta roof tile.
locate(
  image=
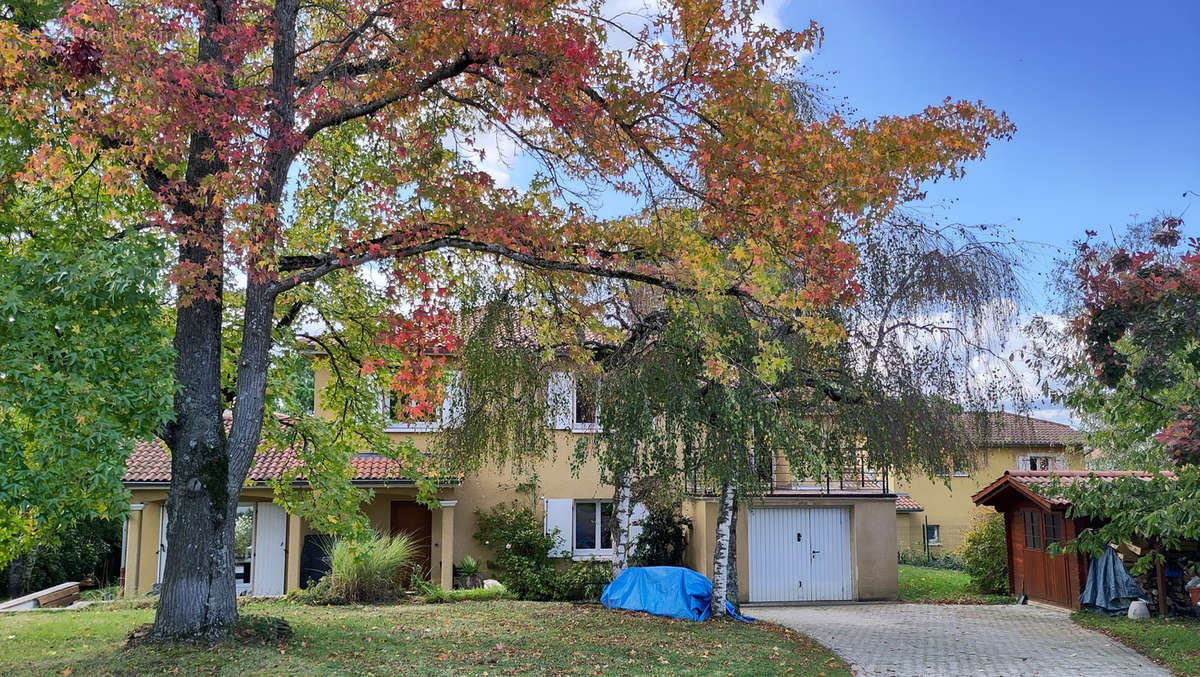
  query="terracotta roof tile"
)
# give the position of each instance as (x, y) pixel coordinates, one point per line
(1005, 429)
(907, 504)
(150, 462)
(1037, 480)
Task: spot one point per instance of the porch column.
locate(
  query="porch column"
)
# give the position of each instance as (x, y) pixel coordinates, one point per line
(447, 578)
(292, 554)
(131, 556)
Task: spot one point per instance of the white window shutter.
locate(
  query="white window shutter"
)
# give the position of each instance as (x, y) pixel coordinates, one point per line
(560, 513)
(454, 400)
(637, 516)
(558, 401)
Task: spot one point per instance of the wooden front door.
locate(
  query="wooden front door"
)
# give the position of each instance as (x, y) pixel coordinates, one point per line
(1041, 576)
(414, 519)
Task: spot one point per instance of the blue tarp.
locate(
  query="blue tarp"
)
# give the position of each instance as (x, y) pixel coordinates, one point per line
(1110, 589)
(664, 591)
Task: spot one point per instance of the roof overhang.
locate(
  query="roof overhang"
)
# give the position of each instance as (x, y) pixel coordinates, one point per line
(991, 494)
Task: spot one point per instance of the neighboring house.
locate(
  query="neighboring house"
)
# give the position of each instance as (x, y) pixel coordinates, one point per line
(938, 512)
(805, 541)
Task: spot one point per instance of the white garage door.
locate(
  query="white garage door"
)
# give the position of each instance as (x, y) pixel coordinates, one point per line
(799, 554)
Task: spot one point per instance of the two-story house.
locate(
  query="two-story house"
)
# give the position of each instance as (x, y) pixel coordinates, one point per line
(938, 512)
(805, 541)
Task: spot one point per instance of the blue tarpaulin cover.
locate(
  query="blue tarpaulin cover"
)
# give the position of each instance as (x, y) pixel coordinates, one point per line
(664, 591)
(1110, 589)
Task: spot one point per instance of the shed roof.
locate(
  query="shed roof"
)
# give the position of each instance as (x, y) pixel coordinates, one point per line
(1032, 484)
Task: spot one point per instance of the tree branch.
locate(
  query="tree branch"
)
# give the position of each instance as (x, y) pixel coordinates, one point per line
(440, 74)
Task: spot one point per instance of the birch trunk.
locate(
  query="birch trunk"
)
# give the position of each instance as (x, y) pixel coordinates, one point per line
(721, 549)
(622, 515)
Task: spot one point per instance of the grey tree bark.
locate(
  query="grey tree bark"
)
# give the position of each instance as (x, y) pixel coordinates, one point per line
(622, 514)
(722, 546)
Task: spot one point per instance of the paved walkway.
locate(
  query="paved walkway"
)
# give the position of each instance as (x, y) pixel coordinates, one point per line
(904, 640)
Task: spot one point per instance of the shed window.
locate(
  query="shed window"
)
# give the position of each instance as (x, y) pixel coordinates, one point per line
(1054, 528)
(1033, 530)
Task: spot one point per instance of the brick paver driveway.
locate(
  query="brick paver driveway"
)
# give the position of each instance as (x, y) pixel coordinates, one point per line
(927, 639)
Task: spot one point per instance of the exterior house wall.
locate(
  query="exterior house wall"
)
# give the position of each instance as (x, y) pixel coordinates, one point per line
(871, 535)
(950, 507)
(454, 518)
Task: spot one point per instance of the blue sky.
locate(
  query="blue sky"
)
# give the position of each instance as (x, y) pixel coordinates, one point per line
(1105, 97)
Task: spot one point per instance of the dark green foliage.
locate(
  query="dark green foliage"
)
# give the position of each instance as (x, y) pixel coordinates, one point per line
(84, 549)
(583, 581)
(522, 562)
(664, 539)
(985, 555)
(918, 558)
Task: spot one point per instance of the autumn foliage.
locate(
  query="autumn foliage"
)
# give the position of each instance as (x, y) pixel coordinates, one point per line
(280, 144)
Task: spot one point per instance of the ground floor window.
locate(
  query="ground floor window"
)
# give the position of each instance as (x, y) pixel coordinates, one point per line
(933, 534)
(593, 526)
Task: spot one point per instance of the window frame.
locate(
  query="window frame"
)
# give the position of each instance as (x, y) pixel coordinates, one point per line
(1057, 520)
(582, 426)
(1034, 535)
(407, 426)
(1052, 462)
(937, 534)
(592, 553)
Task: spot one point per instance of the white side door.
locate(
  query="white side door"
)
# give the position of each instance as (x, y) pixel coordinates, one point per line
(270, 534)
(830, 568)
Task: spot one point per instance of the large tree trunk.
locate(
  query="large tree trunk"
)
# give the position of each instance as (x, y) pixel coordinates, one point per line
(622, 514)
(722, 549)
(198, 594)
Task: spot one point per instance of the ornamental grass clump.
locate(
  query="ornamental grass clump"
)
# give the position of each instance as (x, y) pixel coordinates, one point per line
(374, 570)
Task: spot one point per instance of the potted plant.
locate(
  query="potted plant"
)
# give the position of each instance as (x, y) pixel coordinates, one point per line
(468, 574)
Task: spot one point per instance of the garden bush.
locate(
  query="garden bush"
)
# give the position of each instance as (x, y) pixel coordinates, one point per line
(985, 555)
(522, 561)
(583, 581)
(374, 570)
(663, 541)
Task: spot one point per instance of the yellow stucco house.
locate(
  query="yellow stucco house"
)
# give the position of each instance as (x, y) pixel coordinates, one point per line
(801, 543)
(938, 512)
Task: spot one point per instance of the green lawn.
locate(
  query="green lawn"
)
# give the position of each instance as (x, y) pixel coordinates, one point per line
(494, 638)
(941, 586)
(1173, 643)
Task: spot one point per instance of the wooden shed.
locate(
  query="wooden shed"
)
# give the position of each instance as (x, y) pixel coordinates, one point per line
(1032, 522)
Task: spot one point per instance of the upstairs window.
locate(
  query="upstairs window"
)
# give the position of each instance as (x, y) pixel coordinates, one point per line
(585, 406)
(1041, 463)
(404, 414)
